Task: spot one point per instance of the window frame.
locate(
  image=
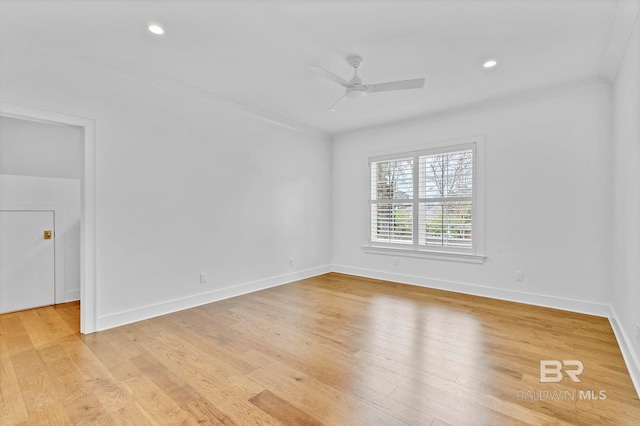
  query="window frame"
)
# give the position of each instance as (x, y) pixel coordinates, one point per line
(474, 254)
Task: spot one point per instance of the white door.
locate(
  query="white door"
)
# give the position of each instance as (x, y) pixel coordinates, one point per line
(27, 274)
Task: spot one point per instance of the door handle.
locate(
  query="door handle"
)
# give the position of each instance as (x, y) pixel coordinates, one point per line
(47, 235)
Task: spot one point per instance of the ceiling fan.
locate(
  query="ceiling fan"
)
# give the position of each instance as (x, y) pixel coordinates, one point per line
(354, 87)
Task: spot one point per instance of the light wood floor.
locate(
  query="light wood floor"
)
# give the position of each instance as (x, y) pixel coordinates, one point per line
(335, 350)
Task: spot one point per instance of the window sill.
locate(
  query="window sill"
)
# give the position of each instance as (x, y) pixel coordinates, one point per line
(450, 256)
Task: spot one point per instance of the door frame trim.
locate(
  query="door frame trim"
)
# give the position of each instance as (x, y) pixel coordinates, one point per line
(88, 267)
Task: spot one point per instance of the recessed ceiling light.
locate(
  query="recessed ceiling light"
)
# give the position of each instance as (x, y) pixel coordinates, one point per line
(156, 29)
(490, 63)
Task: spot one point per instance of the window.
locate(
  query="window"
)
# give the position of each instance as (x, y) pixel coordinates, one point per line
(427, 200)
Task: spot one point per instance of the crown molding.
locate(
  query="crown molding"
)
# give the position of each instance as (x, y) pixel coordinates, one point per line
(626, 19)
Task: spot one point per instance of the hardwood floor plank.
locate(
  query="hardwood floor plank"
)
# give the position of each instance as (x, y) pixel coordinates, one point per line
(12, 406)
(280, 409)
(57, 326)
(79, 400)
(106, 387)
(318, 399)
(438, 422)
(171, 384)
(332, 350)
(155, 403)
(210, 376)
(204, 412)
(115, 356)
(37, 390)
(70, 313)
(224, 344)
(131, 415)
(327, 366)
(41, 399)
(245, 413)
(36, 328)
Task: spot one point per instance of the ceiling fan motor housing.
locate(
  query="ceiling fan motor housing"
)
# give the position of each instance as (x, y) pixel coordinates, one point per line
(358, 90)
(355, 61)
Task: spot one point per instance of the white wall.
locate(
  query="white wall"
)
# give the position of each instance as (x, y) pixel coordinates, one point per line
(547, 205)
(184, 185)
(62, 196)
(625, 289)
(30, 148)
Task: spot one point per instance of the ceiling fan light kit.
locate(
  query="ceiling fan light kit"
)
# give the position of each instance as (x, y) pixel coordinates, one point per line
(356, 92)
(355, 88)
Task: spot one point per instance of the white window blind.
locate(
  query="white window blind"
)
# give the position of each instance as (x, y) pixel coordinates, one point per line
(424, 199)
(391, 200)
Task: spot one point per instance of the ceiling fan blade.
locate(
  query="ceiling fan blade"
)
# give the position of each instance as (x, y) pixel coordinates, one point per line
(333, 107)
(326, 73)
(417, 83)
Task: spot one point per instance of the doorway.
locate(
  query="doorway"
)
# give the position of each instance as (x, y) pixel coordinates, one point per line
(87, 196)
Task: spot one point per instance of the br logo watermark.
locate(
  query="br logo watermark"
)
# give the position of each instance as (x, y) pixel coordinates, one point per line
(551, 370)
(556, 371)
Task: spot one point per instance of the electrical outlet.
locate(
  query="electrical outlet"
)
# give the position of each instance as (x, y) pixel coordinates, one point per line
(203, 277)
(519, 276)
(638, 332)
(291, 261)
(396, 262)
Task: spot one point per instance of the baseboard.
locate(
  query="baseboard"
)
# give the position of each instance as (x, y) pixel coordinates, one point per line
(146, 312)
(580, 306)
(71, 295)
(626, 347)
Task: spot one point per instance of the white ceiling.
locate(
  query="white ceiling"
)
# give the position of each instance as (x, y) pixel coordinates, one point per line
(258, 53)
